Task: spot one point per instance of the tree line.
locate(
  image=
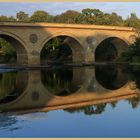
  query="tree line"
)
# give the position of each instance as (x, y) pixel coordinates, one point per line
(86, 16)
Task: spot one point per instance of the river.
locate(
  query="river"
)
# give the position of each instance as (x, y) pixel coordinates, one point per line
(94, 101)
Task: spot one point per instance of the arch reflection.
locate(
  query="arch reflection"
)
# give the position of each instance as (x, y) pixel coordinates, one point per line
(12, 85)
(111, 77)
(60, 82)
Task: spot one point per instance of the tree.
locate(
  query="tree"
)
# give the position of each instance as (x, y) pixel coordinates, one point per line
(12, 19)
(7, 51)
(92, 12)
(67, 17)
(90, 16)
(5, 18)
(132, 54)
(113, 19)
(133, 21)
(22, 16)
(41, 16)
(95, 16)
(56, 50)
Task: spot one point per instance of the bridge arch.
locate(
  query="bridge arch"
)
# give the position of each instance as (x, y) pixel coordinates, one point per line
(109, 48)
(18, 44)
(73, 42)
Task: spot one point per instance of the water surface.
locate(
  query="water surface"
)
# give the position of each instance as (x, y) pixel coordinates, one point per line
(101, 101)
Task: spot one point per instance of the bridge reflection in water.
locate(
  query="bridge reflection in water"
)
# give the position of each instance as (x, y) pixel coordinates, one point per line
(87, 89)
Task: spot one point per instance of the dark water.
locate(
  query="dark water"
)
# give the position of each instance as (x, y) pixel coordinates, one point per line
(101, 101)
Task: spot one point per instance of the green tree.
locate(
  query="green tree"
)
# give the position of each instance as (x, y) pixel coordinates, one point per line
(5, 18)
(56, 50)
(7, 51)
(67, 17)
(41, 16)
(95, 16)
(112, 19)
(22, 16)
(133, 21)
(92, 12)
(12, 19)
(132, 54)
(89, 16)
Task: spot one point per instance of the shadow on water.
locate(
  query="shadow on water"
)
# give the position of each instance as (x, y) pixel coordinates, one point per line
(68, 88)
(111, 77)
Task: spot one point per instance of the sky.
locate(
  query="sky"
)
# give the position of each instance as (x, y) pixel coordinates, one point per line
(121, 8)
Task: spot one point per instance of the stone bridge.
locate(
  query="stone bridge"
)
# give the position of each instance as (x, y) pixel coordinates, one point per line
(30, 38)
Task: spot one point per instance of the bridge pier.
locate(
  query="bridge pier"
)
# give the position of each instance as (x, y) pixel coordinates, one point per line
(22, 59)
(78, 51)
(33, 59)
(89, 52)
(89, 57)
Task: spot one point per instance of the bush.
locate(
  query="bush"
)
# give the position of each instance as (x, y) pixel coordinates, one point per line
(132, 54)
(8, 51)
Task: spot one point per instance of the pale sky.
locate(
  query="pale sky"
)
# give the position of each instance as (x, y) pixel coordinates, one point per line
(122, 8)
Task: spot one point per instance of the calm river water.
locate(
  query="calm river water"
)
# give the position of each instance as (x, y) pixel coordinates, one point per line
(101, 101)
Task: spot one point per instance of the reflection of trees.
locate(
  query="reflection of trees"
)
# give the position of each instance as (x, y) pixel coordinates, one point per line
(134, 74)
(105, 76)
(113, 104)
(89, 110)
(134, 101)
(7, 84)
(57, 81)
(110, 77)
(12, 85)
(100, 108)
(132, 53)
